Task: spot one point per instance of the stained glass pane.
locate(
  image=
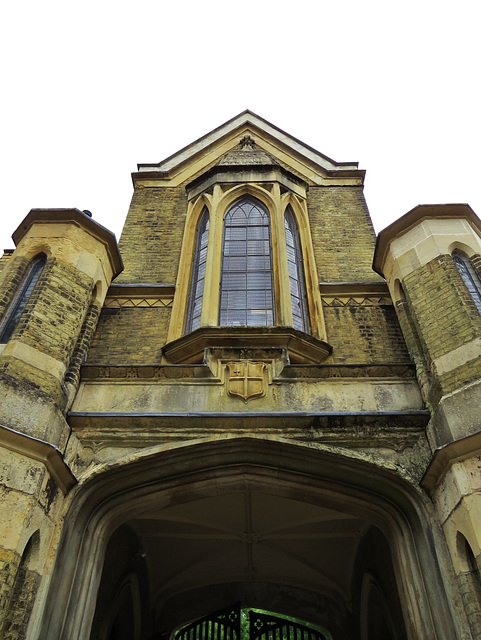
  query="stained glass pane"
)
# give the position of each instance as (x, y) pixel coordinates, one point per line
(296, 275)
(470, 277)
(20, 300)
(198, 272)
(246, 296)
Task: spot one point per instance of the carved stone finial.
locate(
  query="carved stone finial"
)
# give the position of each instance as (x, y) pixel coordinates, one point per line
(247, 141)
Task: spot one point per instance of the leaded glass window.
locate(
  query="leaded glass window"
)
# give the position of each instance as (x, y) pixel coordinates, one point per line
(198, 273)
(7, 326)
(469, 276)
(296, 276)
(246, 289)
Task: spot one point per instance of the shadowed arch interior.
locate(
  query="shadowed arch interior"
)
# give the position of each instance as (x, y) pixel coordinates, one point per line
(202, 512)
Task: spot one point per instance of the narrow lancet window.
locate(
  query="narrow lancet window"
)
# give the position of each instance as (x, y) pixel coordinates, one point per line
(296, 275)
(470, 277)
(198, 273)
(247, 293)
(17, 306)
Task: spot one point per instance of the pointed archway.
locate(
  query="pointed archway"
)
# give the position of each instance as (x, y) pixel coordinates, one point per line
(273, 525)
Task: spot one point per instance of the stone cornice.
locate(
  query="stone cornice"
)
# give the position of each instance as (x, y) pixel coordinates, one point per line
(262, 174)
(413, 218)
(237, 124)
(78, 218)
(141, 289)
(446, 456)
(301, 347)
(290, 373)
(120, 296)
(40, 451)
(393, 429)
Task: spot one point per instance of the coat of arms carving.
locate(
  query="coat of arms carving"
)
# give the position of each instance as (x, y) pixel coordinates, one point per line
(245, 379)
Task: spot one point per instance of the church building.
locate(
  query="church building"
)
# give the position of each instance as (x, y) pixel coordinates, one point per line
(250, 419)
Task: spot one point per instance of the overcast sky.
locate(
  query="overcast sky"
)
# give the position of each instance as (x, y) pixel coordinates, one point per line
(90, 89)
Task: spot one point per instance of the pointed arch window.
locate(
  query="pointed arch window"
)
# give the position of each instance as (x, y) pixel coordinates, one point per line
(297, 286)
(246, 288)
(198, 273)
(470, 277)
(17, 306)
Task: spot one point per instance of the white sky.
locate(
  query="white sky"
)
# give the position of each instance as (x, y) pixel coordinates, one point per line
(90, 89)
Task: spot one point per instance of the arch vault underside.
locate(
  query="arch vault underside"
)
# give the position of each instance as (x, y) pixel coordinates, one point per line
(272, 525)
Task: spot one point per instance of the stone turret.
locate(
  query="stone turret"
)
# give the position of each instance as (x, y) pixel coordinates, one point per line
(38, 361)
(54, 284)
(438, 305)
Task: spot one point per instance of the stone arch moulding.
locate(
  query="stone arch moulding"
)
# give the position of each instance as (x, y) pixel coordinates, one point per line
(195, 471)
(370, 588)
(464, 248)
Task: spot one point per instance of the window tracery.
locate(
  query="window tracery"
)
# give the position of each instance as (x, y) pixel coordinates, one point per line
(246, 286)
(248, 282)
(297, 285)
(470, 277)
(198, 273)
(17, 306)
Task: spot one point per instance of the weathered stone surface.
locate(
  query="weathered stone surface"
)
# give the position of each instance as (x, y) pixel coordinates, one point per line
(149, 476)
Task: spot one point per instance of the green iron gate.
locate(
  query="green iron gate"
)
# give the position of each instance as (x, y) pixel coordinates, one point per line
(264, 626)
(229, 624)
(222, 625)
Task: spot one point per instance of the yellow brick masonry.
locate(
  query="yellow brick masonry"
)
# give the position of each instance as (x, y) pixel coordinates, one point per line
(50, 324)
(342, 234)
(5, 259)
(343, 239)
(152, 236)
(444, 318)
(365, 335)
(130, 336)
(10, 280)
(9, 561)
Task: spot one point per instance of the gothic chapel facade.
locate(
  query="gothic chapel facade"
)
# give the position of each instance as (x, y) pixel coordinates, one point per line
(250, 416)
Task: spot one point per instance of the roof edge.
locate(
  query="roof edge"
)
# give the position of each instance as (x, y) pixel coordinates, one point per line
(414, 217)
(243, 118)
(78, 217)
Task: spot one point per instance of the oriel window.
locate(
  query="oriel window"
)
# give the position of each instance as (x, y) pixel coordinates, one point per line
(297, 285)
(470, 277)
(17, 306)
(198, 273)
(246, 287)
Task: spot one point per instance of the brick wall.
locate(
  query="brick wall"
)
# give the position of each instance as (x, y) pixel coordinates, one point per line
(342, 234)
(444, 318)
(5, 259)
(18, 589)
(55, 311)
(10, 280)
(9, 561)
(152, 236)
(83, 342)
(470, 590)
(365, 334)
(130, 336)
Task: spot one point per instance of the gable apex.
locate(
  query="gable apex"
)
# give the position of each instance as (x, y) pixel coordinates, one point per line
(273, 140)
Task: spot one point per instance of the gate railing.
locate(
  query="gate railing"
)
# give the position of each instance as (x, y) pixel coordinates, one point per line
(229, 624)
(263, 626)
(221, 625)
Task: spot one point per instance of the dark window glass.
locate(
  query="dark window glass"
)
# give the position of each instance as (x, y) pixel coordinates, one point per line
(198, 273)
(7, 327)
(246, 294)
(296, 275)
(469, 276)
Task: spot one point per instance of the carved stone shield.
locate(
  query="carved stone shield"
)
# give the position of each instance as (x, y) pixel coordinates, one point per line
(245, 379)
